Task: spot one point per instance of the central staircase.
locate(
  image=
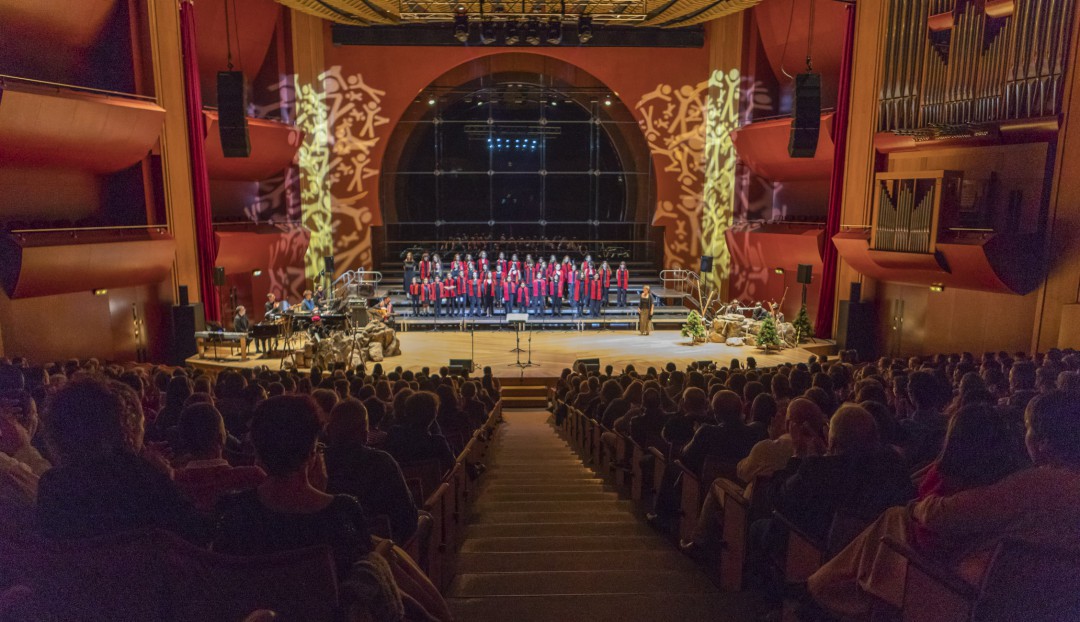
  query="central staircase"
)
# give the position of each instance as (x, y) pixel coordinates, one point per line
(548, 542)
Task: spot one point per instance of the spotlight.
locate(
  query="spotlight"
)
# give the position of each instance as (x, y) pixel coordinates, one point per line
(554, 31)
(461, 25)
(431, 100)
(532, 32)
(779, 271)
(100, 292)
(513, 32)
(487, 32)
(256, 273)
(937, 287)
(584, 29)
(607, 100)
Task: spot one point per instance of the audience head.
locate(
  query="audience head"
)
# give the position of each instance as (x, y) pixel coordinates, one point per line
(763, 409)
(852, 430)
(202, 431)
(694, 404)
(727, 408)
(420, 410)
(284, 430)
(980, 448)
(348, 426)
(85, 421)
(1053, 429)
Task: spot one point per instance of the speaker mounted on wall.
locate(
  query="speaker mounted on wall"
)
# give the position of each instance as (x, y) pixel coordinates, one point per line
(219, 276)
(328, 264)
(805, 116)
(232, 120)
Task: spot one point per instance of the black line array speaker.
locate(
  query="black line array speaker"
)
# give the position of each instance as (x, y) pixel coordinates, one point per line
(219, 276)
(232, 120)
(855, 329)
(805, 116)
(328, 264)
(706, 263)
(590, 364)
(183, 297)
(181, 334)
(806, 273)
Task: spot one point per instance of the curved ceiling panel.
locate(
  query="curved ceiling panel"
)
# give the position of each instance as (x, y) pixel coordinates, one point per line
(74, 24)
(273, 146)
(77, 130)
(57, 263)
(251, 25)
(763, 146)
(776, 18)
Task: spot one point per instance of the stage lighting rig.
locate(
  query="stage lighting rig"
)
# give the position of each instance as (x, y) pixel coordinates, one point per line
(584, 29)
(461, 24)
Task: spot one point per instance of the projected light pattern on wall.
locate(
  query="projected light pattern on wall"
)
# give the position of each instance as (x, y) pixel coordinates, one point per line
(722, 118)
(339, 117)
(673, 121)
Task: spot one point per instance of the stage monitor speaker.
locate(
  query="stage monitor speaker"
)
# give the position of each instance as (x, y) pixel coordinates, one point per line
(232, 118)
(856, 292)
(706, 263)
(590, 364)
(805, 116)
(855, 329)
(806, 274)
(182, 334)
(463, 364)
(219, 276)
(183, 297)
(328, 265)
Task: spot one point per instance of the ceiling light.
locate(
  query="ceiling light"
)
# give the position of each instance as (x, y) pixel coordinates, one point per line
(554, 31)
(431, 100)
(779, 271)
(607, 100)
(584, 29)
(100, 292)
(513, 32)
(532, 32)
(256, 273)
(487, 32)
(937, 287)
(461, 25)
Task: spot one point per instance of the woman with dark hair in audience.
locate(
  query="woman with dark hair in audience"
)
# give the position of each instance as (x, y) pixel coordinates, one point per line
(1039, 505)
(102, 484)
(178, 391)
(452, 421)
(762, 412)
(412, 441)
(372, 476)
(646, 428)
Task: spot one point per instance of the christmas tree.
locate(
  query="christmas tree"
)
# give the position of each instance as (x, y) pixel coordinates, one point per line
(803, 327)
(694, 328)
(767, 337)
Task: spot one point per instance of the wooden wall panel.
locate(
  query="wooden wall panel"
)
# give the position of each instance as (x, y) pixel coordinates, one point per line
(28, 194)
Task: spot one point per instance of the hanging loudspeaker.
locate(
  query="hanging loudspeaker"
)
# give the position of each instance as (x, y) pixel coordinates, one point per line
(805, 116)
(706, 263)
(184, 300)
(328, 264)
(232, 121)
(856, 292)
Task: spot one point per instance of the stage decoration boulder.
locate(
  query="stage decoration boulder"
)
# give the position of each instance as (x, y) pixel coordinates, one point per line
(694, 328)
(803, 328)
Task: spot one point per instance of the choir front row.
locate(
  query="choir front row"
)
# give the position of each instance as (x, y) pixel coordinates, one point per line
(530, 289)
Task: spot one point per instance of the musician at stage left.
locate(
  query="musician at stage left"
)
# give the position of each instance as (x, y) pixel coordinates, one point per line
(241, 324)
(307, 305)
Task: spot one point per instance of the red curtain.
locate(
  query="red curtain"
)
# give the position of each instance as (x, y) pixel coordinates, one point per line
(200, 180)
(823, 326)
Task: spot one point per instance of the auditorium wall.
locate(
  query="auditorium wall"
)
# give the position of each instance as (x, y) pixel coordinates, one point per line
(367, 89)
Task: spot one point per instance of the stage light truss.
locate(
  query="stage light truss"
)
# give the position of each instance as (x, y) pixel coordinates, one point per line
(605, 11)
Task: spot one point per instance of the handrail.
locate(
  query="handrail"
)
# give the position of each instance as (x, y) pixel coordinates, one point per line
(80, 229)
(4, 78)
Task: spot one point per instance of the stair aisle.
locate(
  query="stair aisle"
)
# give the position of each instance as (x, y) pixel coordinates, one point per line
(547, 541)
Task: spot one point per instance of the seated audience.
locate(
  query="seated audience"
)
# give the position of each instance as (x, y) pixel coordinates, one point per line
(205, 475)
(412, 441)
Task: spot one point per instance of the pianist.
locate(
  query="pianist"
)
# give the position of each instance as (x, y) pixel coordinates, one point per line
(240, 321)
(272, 307)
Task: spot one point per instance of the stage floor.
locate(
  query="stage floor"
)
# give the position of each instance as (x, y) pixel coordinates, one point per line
(553, 351)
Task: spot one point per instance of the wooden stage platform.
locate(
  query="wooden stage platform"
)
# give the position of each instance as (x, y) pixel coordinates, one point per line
(553, 350)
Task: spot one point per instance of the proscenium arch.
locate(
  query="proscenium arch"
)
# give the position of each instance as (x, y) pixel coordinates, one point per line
(530, 70)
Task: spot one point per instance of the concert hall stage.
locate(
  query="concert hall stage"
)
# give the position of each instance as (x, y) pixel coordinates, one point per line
(553, 350)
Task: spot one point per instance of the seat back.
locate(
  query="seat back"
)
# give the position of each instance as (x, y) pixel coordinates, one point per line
(423, 478)
(115, 577)
(1030, 583)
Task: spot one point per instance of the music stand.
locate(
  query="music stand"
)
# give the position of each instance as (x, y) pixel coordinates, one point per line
(519, 319)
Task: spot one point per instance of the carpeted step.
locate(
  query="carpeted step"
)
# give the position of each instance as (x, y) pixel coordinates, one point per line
(573, 560)
(584, 485)
(610, 608)
(611, 515)
(484, 505)
(564, 543)
(597, 495)
(636, 581)
(593, 528)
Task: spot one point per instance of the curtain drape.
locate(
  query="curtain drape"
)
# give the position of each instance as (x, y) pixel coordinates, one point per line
(830, 259)
(200, 181)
